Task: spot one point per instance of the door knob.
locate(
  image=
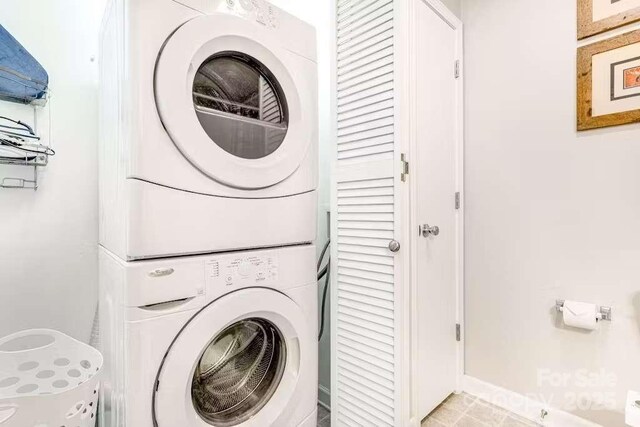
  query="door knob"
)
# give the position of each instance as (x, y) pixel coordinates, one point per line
(394, 246)
(427, 230)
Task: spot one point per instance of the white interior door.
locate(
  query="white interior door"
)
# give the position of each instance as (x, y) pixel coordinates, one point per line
(366, 292)
(435, 167)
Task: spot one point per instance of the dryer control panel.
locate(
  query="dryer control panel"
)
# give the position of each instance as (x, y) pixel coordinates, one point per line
(243, 270)
(262, 11)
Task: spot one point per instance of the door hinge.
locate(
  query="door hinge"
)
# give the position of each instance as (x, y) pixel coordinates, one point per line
(457, 200)
(457, 69)
(458, 332)
(405, 167)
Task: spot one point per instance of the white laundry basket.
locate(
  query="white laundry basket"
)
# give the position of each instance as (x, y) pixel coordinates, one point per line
(48, 379)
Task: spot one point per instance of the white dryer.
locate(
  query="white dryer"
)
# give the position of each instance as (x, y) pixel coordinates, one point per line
(208, 127)
(224, 340)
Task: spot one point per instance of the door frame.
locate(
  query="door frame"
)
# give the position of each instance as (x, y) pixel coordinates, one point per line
(406, 73)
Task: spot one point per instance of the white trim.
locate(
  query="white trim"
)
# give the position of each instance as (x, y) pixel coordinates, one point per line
(460, 187)
(522, 405)
(402, 209)
(404, 61)
(408, 74)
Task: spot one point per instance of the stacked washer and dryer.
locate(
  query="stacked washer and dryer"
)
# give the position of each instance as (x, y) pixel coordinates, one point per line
(208, 172)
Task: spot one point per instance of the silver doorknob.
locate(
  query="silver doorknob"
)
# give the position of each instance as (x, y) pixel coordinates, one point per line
(427, 230)
(394, 246)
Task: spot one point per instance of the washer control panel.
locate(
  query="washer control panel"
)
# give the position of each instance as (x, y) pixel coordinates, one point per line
(260, 10)
(243, 270)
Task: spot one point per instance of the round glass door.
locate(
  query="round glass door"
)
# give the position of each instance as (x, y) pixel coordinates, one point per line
(238, 372)
(243, 359)
(240, 105)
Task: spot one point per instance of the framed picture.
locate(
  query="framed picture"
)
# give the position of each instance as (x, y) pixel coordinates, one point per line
(609, 82)
(598, 16)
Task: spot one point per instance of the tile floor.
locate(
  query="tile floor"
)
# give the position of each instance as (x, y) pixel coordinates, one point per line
(324, 416)
(459, 410)
(465, 410)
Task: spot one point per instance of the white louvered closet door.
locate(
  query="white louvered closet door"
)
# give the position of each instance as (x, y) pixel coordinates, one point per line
(364, 323)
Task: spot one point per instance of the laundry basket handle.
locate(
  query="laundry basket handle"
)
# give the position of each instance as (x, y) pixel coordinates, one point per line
(6, 412)
(29, 340)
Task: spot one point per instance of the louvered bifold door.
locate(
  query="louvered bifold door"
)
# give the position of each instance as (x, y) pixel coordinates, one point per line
(364, 298)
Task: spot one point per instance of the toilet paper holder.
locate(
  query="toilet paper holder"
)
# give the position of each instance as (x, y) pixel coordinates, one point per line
(604, 313)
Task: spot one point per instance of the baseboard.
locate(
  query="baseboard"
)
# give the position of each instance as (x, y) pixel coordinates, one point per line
(324, 396)
(522, 405)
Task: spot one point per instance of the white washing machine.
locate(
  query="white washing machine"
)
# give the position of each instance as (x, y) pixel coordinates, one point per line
(208, 127)
(218, 340)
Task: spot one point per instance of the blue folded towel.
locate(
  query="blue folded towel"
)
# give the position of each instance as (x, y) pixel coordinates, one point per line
(22, 78)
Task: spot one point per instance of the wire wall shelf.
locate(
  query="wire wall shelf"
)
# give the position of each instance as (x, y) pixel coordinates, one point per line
(33, 161)
(32, 155)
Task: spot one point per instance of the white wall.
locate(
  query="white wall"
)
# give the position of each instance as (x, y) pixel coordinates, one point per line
(318, 13)
(48, 260)
(550, 213)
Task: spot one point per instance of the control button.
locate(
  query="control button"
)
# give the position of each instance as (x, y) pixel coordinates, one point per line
(244, 268)
(229, 279)
(273, 17)
(214, 270)
(247, 5)
(231, 3)
(260, 275)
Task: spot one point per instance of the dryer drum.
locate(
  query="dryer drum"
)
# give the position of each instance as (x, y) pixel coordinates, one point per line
(238, 372)
(240, 105)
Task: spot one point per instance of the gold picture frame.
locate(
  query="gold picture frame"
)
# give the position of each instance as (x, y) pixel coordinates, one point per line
(588, 27)
(613, 77)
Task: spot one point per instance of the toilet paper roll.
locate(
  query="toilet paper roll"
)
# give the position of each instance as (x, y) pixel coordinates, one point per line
(580, 315)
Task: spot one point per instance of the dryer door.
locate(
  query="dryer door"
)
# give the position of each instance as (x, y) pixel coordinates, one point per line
(237, 362)
(236, 104)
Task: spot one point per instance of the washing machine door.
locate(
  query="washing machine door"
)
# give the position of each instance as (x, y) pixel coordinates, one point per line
(236, 103)
(237, 362)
